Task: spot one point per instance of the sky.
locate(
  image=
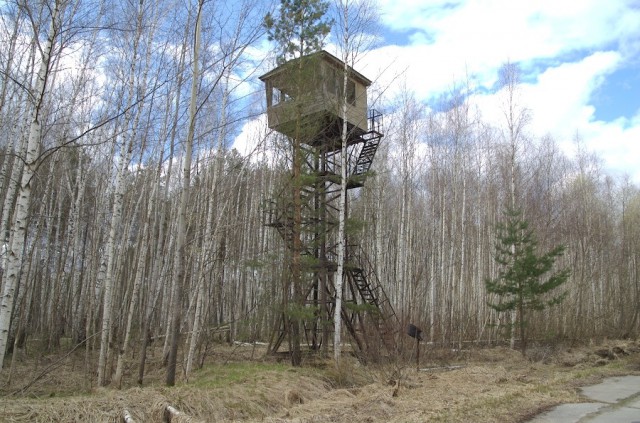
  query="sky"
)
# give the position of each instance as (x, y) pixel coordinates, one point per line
(579, 63)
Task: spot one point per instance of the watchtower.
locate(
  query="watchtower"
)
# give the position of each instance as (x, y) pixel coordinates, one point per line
(305, 102)
(311, 88)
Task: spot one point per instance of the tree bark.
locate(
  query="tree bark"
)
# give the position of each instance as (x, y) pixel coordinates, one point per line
(180, 249)
(19, 225)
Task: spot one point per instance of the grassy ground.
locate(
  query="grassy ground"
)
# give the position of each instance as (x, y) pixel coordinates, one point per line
(240, 384)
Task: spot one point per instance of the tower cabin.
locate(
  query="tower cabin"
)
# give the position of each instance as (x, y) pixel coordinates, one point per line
(305, 100)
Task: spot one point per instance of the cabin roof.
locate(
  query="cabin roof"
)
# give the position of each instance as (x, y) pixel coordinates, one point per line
(327, 57)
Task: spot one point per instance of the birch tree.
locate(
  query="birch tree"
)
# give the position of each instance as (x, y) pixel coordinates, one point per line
(342, 207)
(180, 248)
(211, 228)
(209, 73)
(353, 21)
(19, 224)
(127, 144)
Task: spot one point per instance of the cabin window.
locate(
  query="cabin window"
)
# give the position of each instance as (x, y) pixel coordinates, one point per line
(279, 96)
(351, 92)
(333, 88)
(335, 83)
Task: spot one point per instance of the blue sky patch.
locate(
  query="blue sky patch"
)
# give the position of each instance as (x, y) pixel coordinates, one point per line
(619, 95)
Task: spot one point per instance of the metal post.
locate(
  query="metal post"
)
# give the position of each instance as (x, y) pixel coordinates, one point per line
(418, 353)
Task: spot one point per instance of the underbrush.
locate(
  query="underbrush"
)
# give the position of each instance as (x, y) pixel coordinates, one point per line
(223, 375)
(242, 384)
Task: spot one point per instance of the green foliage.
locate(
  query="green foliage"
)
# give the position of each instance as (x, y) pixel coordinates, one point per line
(221, 376)
(309, 262)
(524, 282)
(354, 225)
(308, 179)
(361, 308)
(299, 28)
(301, 312)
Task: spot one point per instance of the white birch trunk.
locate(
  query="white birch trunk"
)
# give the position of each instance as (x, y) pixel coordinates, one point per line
(137, 283)
(19, 226)
(19, 147)
(144, 249)
(180, 252)
(12, 191)
(401, 263)
(342, 208)
(210, 235)
(442, 270)
(126, 153)
(74, 219)
(434, 254)
(116, 218)
(171, 233)
(464, 313)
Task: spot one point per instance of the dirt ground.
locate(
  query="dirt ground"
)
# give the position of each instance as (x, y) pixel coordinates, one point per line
(240, 384)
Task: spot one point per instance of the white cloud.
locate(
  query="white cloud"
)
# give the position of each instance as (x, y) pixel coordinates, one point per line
(559, 104)
(422, 70)
(251, 136)
(560, 96)
(257, 142)
(616, 144)
(519, 29)
(452, 39)
(566, 50)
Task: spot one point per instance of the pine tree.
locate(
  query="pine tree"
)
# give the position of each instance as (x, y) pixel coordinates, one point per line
(299, 30)
(523, 283)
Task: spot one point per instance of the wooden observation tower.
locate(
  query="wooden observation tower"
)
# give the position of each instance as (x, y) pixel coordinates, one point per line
(305, 103)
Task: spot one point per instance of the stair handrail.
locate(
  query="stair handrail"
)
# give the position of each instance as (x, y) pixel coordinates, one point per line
(356, 251)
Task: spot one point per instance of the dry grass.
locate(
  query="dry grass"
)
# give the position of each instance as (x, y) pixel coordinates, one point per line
(484, 385)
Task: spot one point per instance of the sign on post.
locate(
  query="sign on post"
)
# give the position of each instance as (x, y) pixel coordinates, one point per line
(415, 332)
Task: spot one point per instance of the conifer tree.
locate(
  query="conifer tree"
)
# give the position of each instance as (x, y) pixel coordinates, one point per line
(524, 283)
(298, 30)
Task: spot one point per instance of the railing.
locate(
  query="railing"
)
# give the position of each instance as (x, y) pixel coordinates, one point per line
(375, 121)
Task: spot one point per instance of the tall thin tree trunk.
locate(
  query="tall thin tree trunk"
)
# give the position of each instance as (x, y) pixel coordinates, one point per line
(180, 249)
(342, 207)
(210, 232)
(126, 152)
(19, 226)
(137, 283)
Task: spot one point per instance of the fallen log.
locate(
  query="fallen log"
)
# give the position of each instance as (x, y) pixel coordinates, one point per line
(171, 414)
(126, 417)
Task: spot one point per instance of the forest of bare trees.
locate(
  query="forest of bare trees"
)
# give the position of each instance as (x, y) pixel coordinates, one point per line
(128, 219)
